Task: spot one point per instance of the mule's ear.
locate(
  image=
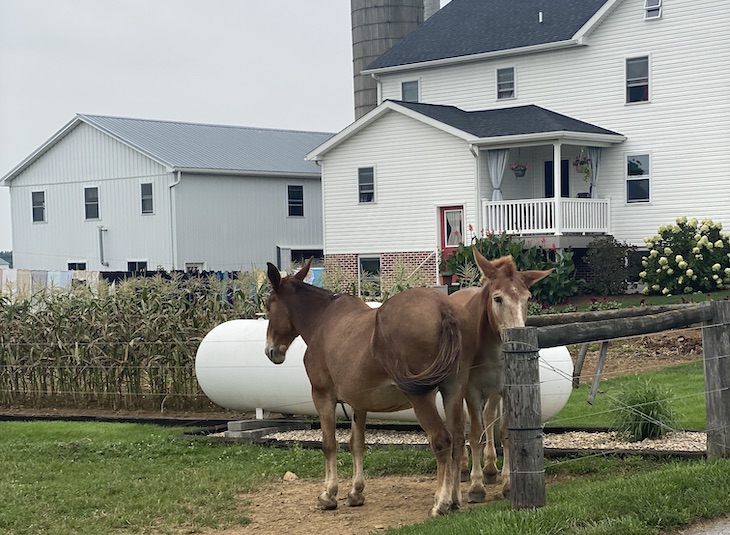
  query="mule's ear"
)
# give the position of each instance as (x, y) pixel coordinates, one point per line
(533, 276)
(274, 276)
(302, 273)
(485, 266)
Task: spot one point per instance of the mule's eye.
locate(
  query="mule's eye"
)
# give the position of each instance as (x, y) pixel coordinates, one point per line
(498, 299)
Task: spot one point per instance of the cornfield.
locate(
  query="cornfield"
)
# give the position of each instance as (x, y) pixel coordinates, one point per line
(128, 347)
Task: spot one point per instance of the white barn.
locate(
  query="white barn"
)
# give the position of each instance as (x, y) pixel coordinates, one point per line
(638, 86)
(124, 194)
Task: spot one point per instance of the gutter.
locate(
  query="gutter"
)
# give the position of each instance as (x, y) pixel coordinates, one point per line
(545, 47)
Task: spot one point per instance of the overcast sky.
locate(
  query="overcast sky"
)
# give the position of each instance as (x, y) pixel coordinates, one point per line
(264, 63)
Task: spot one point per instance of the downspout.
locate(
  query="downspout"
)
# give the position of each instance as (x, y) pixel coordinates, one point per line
(477, 188)
(378, 89)
(173, 221)
(102, 229)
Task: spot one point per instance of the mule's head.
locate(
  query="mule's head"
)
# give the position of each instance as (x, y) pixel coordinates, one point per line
(281, 332)
(506, 290)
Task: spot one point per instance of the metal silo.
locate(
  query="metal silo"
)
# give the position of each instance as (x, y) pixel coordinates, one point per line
(377, 25)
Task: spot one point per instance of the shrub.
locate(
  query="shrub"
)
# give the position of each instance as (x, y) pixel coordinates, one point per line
(686, 257)
(644, 411)
(551, 290)
(608, 267)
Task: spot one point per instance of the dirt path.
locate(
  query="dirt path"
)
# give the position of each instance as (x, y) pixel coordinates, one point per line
(288, 507)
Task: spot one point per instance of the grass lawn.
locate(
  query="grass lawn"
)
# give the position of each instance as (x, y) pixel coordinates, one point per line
(64, 477)
(685, 384)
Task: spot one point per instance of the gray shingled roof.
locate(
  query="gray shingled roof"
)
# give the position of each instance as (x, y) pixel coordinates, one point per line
(215, 147)
(468, 27)
(514, 121)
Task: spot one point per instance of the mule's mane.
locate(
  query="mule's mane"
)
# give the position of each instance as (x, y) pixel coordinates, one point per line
(301, 286)
(504, 265)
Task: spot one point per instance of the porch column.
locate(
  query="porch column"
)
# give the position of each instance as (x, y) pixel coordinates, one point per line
(557, 182)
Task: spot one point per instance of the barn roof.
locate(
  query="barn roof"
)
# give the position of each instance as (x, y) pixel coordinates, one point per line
(469, 28)
(202, 148)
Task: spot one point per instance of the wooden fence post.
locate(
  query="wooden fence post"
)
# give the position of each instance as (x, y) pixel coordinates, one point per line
(716, 350)
(523, 410)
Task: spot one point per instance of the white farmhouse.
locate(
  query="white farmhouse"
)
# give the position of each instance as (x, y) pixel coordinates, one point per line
(557, 120)
(123, 194)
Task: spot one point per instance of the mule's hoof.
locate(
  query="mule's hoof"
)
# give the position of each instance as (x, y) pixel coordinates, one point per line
(440, 510)
(477, 496)
(489, 479)
(355, 501)
(465, 475)
(505, 492)
(455, 507)
(325, 503)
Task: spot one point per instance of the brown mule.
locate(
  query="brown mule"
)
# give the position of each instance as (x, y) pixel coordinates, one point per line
(385, 359)
(500, 302)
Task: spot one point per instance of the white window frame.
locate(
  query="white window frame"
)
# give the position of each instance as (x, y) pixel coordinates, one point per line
(652, 9)
(514, 83)
(150, 198)
(359, 185)
(630, 178)
(198, 267)
(87, 204)
(43, 207)
(376, 279)
(403, 90)
(138, 261)
(628, 81)
(76, 263)
(294, 203)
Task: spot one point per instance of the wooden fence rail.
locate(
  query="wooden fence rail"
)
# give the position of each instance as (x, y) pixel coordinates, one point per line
(522, 405)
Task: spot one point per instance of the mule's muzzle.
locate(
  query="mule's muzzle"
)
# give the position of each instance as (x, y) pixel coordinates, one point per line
(276, 354)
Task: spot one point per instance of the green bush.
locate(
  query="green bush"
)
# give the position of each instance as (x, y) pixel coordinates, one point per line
(608, 268)
(644, 411)
(686, 257)
(553, 289)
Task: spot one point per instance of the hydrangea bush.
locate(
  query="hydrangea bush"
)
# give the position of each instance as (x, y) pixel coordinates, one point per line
(687, 257)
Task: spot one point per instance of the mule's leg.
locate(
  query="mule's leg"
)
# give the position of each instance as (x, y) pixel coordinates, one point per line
(477, 492)
(490, 452)
(357, 449)
(441, 444)
(453, 394)
(325, 403)
(504, 437)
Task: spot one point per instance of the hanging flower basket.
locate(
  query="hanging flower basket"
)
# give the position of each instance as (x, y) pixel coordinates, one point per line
(519, 168)
(582, 164)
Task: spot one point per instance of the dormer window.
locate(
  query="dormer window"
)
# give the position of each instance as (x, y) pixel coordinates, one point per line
(409, 91)
(506, 83)
(653, 9)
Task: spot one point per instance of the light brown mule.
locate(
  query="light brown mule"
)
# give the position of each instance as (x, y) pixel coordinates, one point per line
(387, 359)
(500, 302)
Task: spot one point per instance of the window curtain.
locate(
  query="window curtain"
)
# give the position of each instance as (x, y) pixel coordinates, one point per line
(594, 153)
(454, 221)
(496, 163)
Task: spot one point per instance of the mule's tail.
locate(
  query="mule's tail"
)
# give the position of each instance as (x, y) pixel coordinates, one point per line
(445, 363)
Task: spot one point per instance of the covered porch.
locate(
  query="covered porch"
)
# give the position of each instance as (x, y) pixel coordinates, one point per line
(546, 189)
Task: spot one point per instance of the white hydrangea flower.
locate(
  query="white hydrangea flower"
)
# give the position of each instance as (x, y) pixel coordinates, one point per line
(665, 291)
(719, 244)
(670, 271)
(682, 265)
(692, 222)
(642, 275)
(655, 287)
(667, 251)
(663, 261)
(689, 272)
(716, 267)
(678, 258)
(704, 228)
(696, 250)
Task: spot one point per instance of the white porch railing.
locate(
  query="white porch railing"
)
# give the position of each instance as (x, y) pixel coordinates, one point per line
(539, 216)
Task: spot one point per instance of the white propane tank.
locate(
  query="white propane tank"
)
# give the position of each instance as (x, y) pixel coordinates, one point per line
(234, 372)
